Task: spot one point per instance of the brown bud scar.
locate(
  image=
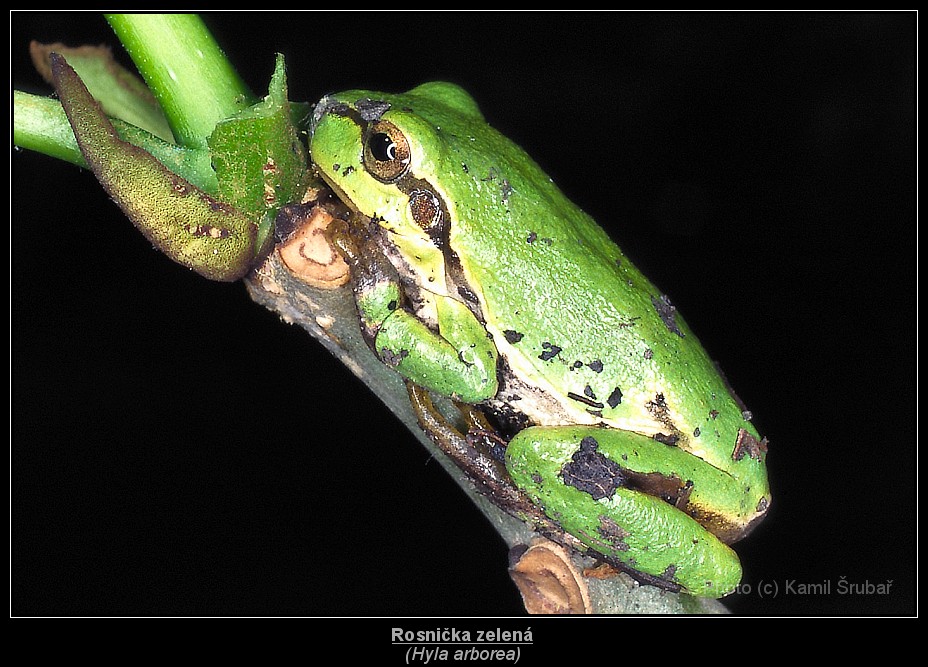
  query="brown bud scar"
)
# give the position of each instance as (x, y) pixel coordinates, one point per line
(310, 257)
(549, 582)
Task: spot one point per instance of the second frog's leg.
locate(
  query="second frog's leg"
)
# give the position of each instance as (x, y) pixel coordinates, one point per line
(457, 360)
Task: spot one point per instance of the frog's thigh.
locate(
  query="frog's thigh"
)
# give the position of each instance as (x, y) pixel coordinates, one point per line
(459, 360)
(588, 479)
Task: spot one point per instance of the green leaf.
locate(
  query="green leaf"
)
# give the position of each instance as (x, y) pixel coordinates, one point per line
(259, 159)
(258, 156)
(194, 229)
(120, 92)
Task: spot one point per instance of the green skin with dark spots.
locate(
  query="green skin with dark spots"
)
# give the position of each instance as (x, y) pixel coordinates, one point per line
(591, 348)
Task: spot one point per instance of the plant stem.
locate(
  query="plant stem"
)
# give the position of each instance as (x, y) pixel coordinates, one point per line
(40, 124)
(185, 69)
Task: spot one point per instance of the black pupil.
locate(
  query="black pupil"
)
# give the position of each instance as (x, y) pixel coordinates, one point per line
(383, 148)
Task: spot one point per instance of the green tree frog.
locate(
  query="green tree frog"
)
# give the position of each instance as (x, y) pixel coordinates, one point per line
(592, 410)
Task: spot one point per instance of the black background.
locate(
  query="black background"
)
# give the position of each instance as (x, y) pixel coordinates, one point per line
(174, 454)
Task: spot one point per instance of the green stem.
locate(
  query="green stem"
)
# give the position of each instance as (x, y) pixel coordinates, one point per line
(185, 69)
(40, 124)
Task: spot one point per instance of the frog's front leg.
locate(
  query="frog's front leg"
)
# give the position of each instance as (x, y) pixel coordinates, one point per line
(633, 499)
(455, 358)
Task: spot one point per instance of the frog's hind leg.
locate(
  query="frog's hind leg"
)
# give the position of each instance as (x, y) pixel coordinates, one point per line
(631, 498)
(476, 454)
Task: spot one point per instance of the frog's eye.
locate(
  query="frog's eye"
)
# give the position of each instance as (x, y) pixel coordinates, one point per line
(386, 152)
